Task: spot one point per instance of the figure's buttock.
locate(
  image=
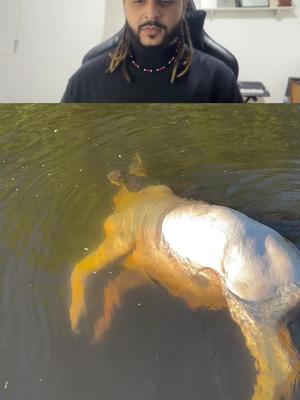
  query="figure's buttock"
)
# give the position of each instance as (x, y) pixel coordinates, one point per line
(254, 261)
(195, 237)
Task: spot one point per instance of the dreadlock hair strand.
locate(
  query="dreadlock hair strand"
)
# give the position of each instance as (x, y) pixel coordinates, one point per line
(187, 40)
(177, 62)
(120, 55)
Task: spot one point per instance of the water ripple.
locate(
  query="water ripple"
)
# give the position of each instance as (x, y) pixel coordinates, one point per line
(54, 196)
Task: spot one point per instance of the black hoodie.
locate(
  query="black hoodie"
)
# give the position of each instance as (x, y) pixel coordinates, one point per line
(208, 80)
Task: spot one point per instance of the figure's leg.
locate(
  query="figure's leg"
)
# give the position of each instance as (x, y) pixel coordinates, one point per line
(200, 292)
(210, 297)
(274, 366)
(287, 343)
(116, 289)
(109, 251)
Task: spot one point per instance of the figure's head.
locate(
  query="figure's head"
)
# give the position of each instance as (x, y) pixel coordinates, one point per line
(133, 179)
(153, 21)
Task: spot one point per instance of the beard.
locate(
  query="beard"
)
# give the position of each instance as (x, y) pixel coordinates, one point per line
(168, 38)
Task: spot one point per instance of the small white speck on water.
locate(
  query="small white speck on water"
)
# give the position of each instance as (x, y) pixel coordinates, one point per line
(120, 155)
(6, 384)
(182, 151)
(41, 379)
(88, 138)
(76, 186)
(12, 179)
(55, 130)
(30, 284)
(22, 167)
(110, 272)
(139, 304)
(49, 174)
(224, 170)
(3, 161)
(17, 189)
(80, 170)
(43, 165)
(86, 249)
(36, 195)
(94, 272)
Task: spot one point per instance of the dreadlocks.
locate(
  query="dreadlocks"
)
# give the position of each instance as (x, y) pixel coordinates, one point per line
(184, 55)
(120, 55)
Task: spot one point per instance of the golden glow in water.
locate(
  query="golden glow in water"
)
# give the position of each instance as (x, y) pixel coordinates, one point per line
(54, 198)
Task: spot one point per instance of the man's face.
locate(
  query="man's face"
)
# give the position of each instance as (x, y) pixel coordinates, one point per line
(153, 20)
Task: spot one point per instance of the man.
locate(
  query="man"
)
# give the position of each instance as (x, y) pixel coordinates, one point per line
(154, 62)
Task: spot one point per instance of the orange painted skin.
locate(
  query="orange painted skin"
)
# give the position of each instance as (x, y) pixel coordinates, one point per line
(133, 236)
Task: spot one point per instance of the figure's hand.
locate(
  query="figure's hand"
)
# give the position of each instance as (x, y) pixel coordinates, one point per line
(136, 168)
(78, 307)
(76, 312)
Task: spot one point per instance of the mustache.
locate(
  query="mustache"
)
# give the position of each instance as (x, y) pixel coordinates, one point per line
(151, 23)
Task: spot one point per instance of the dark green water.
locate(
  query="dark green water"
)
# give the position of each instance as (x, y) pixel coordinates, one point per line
(54, 196)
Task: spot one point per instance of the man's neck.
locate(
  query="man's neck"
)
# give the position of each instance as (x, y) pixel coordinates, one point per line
(152, 56)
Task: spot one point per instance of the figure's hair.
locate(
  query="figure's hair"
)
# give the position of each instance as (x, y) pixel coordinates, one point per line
(184, 56)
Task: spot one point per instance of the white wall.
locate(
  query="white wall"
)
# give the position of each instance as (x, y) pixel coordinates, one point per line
(53, 37)
(114, 17)
(267, 48)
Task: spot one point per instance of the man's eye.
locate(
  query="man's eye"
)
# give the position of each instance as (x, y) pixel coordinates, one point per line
(161, 2)
(166, 2)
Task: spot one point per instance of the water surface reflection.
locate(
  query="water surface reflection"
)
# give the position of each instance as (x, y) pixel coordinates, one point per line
(53, 200)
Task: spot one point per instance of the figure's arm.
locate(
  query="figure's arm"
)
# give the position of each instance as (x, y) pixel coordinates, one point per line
(114, 291)
(109, 252)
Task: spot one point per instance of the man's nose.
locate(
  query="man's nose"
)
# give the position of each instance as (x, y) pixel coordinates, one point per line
(152, 10)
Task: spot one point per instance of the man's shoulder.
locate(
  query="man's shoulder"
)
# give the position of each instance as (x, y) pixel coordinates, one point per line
(210, 62)
(89, 80)
(213, 76)
(94, 66)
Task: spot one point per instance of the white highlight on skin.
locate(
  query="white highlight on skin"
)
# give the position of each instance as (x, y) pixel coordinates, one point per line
(254, 261)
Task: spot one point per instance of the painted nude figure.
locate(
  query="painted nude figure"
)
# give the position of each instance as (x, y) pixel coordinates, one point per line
(208, 256)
